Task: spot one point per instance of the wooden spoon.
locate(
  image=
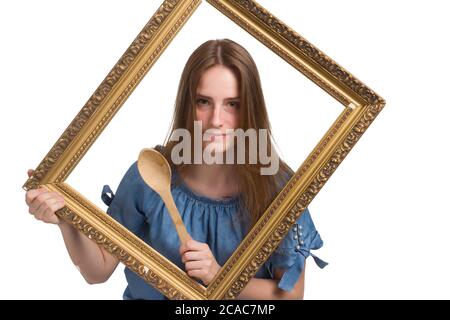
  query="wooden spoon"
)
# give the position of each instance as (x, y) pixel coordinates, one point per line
(155, 171)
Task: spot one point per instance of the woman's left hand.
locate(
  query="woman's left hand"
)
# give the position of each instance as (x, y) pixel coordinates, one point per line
(199, 261)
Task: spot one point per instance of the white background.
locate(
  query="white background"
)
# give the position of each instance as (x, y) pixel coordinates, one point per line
(384, 215)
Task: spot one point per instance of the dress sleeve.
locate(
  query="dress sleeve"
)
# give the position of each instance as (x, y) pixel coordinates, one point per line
(293, 250)
(126, 206)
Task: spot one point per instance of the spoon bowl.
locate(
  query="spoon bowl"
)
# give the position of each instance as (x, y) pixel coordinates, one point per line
(155, 171)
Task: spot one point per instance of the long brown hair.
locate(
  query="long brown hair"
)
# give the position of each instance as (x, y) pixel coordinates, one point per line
(256, 191)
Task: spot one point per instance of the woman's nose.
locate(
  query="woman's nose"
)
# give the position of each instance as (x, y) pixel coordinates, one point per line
(217, 116)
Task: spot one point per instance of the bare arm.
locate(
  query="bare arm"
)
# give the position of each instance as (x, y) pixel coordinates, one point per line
(267, 289)
(95, 264)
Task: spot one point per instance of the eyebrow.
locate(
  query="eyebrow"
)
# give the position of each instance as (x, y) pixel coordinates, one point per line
(206, 97)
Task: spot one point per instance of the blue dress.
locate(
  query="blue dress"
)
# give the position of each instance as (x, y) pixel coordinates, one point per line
(215, 222)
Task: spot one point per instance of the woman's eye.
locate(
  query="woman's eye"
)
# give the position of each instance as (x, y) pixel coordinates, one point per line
(234, 104)
(202, 101)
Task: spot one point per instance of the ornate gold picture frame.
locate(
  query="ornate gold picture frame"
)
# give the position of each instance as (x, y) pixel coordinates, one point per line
(361, 106)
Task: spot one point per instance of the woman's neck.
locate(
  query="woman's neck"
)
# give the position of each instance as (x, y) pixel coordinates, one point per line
(215, 180)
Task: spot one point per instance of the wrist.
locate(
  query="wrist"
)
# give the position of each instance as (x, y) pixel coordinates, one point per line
(215, 272)
(62, 224)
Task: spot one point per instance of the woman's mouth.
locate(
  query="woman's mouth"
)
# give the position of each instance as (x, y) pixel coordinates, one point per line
(217, 136)
(214, 137)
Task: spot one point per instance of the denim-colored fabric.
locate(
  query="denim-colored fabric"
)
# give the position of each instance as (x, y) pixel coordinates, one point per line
(219, 223)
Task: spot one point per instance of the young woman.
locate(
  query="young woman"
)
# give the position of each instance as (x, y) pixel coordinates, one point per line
(220, 90)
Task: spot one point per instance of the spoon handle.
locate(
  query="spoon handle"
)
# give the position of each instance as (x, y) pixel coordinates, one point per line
(176, 218)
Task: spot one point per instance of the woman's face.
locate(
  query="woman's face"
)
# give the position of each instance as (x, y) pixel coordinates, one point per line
(217, 106)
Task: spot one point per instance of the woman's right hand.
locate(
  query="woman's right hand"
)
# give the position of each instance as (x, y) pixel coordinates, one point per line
(43, 203)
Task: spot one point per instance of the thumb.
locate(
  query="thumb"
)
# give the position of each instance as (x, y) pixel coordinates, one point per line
(30, 172)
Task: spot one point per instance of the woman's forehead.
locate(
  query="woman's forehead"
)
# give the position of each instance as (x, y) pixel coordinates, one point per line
(218, 81)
